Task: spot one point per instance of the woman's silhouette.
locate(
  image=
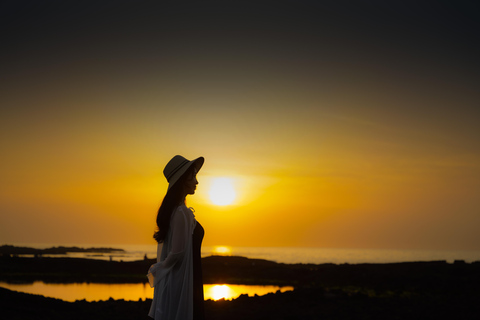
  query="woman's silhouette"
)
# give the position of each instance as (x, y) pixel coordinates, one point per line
(177, 275)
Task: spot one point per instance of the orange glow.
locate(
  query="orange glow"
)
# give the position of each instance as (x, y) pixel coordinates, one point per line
(131, 292)
(328, 141)
(88, 291)
(228, 292)
(222, 251)
(217, 292)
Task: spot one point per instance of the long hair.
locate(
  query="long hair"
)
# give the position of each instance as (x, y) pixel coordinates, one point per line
(172, 199)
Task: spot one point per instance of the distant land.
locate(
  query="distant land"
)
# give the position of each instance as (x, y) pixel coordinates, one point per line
(409, 290)
(13, 250)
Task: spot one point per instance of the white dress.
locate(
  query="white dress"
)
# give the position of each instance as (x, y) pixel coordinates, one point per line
(172, 275)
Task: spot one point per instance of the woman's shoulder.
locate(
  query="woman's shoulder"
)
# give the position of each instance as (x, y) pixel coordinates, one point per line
(184, 210)
(182, 214)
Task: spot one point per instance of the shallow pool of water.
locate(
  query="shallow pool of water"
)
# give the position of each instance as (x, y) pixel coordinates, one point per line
(131, 291)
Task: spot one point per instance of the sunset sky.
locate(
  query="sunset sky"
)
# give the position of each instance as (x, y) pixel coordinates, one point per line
(342, 124)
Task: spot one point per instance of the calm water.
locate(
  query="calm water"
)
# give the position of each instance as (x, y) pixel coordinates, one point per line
(130, 292)
(290, 254)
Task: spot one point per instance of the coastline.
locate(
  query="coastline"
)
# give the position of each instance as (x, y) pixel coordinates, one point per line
(288, 255)
(413, 290)
(229, 269)
(299, 304)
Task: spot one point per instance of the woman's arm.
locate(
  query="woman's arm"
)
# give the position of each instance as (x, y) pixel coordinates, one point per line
(179, 231)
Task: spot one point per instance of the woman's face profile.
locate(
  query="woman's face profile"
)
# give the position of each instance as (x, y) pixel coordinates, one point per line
(191, 182)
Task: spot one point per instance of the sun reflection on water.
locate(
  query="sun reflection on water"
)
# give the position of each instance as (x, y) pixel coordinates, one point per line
(218, 292)
(222, 251)
(131, 292)
(229, 292)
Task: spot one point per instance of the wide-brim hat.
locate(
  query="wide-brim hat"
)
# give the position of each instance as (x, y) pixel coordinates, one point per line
(177, 166)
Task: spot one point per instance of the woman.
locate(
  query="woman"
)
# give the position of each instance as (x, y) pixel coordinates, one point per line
(177, 275)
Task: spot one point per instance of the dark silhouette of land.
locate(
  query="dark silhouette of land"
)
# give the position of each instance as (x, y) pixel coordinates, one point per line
(413, 290)
(13, 250)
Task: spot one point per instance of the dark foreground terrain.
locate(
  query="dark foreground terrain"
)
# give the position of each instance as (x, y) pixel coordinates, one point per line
(416, 290)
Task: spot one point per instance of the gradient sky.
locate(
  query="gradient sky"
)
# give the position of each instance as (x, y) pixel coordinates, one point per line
(345, 124)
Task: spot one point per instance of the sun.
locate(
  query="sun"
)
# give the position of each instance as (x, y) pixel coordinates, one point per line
(222, 191)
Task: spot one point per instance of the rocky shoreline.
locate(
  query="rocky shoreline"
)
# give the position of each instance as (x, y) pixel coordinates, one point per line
(415, 290)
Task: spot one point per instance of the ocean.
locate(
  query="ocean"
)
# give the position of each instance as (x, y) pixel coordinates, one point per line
(289, 255)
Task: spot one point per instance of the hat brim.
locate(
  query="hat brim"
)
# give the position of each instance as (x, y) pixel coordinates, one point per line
(198, 163)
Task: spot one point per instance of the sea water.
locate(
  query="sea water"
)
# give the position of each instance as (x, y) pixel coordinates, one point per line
(294, 255)
(130, 291)
(289, 255)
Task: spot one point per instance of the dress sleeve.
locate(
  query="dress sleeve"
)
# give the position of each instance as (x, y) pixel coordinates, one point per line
(178, 242)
